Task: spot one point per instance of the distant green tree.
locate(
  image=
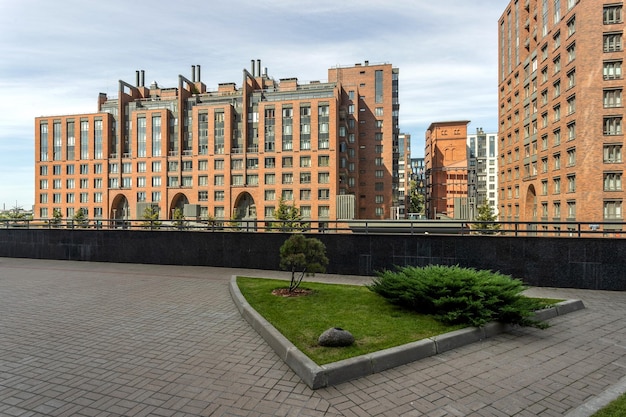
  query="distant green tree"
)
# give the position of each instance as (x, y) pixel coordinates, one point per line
(150, 217)
(306, 255)
(80, 219)
(416, 199)
(289, 217)
(488, 220)
(56, 218)
(178, 218)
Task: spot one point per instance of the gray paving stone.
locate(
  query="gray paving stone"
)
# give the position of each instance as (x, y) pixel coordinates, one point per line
(92, 339)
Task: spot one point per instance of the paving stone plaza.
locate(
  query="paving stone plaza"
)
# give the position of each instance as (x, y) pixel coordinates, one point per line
(97, 339)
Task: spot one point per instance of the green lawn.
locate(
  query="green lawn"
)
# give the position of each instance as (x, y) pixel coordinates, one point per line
(616, 408)
(375, 323)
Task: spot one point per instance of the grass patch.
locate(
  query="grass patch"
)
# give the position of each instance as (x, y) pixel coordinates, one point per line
(616, 408)
(373, 321)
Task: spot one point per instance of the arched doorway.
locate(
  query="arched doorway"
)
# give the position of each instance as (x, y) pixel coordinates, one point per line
(120, 211)
(245, 208)
(530, 209)
(178, 201)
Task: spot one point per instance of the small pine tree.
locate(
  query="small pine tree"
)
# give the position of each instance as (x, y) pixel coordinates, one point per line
(56, 218)
(150, 216)
(307, 255)
(488, 220)
(289, 216)
(179, 218)
(80, 219)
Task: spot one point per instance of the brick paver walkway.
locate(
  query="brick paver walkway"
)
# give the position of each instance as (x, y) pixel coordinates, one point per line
(94, 339)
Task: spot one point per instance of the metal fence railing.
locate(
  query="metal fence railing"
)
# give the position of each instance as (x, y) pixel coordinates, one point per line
(413, 227)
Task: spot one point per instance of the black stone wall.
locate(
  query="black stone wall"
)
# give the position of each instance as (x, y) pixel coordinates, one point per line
(591, 263)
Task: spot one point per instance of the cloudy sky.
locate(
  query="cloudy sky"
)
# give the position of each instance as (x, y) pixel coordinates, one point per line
(56, 56)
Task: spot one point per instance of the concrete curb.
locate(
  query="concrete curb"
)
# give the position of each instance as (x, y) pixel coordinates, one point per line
(316, 376)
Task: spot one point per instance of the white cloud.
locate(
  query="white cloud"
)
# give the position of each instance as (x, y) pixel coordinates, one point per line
(68, 53)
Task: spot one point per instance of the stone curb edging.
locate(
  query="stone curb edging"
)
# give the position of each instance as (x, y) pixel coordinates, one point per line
(316, 376)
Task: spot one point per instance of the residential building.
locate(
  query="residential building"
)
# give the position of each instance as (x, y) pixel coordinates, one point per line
(483, 169)
(561, 111)
(446, 165)
(326, 147)
(404, 175)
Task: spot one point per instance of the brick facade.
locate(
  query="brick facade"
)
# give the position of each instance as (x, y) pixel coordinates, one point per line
(560, 111)
(227, 153)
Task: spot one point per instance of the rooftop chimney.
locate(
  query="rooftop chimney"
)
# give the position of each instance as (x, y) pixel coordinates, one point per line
(193, 73)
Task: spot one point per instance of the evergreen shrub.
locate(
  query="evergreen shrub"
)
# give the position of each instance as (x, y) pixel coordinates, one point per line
(456, 295)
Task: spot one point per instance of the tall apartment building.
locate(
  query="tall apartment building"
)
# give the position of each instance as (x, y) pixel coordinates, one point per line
(404, 175)
(327, 147)
(446, 165)
(483, 168)
(561, 110)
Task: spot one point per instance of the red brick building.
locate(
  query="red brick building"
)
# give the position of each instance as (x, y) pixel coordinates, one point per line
(561, 111)
(446, 166)
(327, 147)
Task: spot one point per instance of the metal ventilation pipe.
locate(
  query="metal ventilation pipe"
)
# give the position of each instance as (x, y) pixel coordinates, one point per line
(198, 77)
(193, 73)
(143, 78)
(258, 67)
(252, 66)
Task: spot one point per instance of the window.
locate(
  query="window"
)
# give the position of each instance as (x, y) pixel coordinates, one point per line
(237, 180)
(612, 209)
(287, 194)
(613, 98)
(270, 195)
(218, 180)
(612, 14)
(113, 168)
(305, 178)
(156, 196)
(203, 196)
(237, 164)
(544, 187)
(323, 212)
(141, 182)
(323, 160)
(613, 181)
(218, 195)
(612, 154)
(219, 212)
(571, 26)
(571, 105)
(305, 194)
(571, 79)
(557, 112)
(323, 178)
(571, 52)
(187, 181)
(252, 163)
(557, 64)
(571, 183)
(612, 42)
(557, 208)
(571, 157)
(571, 209)
(114, 183)
(557, 11)
(172, 181)
(557, 137)
(612, 70)
(613, 125)
(69, 183)
(270, 179)
(141, 167)
(287, 162)
(156, 166)
(287, 178)
(557, 89)
(203, 180)
(305, 161)
(557, 160)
